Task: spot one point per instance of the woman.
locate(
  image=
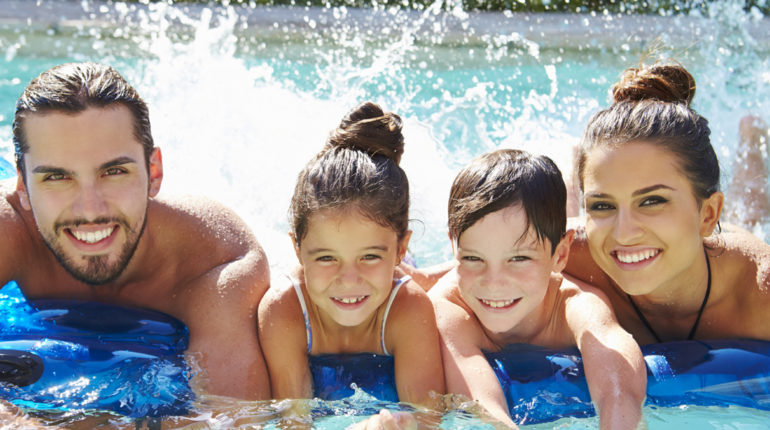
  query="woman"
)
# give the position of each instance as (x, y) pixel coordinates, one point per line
(652, 240)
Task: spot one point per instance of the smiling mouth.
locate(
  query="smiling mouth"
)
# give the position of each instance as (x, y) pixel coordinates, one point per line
(637, 256)
(499, 304)
(91, 237)
(350, 300)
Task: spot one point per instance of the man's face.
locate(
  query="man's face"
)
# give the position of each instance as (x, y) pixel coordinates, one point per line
(88, 187)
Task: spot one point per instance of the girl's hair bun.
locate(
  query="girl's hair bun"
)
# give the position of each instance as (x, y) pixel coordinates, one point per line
(664, 82)
(367, 128)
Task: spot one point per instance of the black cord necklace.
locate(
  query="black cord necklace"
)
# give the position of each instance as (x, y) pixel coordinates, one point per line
(700, 311)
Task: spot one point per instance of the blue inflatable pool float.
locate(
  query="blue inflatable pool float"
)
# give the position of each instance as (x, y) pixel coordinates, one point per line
(71, 355)
(542, 385)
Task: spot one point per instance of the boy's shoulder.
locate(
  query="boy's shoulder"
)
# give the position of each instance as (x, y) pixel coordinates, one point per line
(584, 304)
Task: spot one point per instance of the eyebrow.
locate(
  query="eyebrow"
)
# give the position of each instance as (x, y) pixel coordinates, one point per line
(53, 169)
(382, 248)
(117, 162)
(638, 192)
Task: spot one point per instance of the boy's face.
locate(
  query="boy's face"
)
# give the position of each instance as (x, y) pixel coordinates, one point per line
(504, 270)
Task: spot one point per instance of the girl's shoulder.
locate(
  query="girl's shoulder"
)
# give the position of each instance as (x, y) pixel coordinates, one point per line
(281, 301)
(411, 297)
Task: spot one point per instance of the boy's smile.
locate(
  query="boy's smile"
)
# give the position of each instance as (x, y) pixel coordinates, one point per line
(504, 270)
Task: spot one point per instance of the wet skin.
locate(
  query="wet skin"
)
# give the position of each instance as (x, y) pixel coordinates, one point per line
(86, 225)
(505, 282)
(645, 235)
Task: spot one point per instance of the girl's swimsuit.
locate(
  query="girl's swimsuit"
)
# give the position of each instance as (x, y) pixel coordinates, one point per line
(309, 332)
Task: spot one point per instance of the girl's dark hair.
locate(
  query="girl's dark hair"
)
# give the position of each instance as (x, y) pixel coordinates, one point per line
(652, 104)
(359, 166)
(506, 178)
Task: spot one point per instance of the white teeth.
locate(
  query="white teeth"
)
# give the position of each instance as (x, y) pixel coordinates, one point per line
(92, 236)
(635, 257)
(349, 300)
(497, 303)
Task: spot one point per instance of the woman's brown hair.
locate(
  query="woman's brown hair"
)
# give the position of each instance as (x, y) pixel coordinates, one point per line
(652, 104)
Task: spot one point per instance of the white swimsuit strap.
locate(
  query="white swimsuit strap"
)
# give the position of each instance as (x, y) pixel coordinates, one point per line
(303, 305)
(387, 310)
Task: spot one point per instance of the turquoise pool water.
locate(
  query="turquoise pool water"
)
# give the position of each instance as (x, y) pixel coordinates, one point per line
(241, 98)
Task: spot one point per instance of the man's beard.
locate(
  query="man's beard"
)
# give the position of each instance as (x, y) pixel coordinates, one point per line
(97, 270)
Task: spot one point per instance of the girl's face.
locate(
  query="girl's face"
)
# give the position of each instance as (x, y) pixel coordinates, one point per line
(644, 226)
(348, 261)
(504, 270)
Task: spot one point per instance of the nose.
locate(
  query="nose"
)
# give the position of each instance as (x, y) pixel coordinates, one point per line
(348, 275)
(627, 228)
(496, 279)
(89, 202)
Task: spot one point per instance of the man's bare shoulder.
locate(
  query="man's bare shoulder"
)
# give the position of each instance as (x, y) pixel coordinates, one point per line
(216, 257)
(201, 218)
(16, 226)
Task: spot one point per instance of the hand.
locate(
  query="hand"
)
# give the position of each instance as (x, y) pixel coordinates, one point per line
(387, 420)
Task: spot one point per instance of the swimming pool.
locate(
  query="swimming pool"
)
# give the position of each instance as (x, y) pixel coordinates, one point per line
(241, 98)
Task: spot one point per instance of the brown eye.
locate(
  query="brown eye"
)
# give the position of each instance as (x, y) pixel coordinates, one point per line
(112, 171)
(654, 200)
(600, 206)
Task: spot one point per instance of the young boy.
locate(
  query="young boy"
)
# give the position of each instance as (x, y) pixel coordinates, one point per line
(507, 220)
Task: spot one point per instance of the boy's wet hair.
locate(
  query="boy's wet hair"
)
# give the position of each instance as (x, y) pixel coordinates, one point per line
(358, 169)
(652, 104)
(506, 178)
(72, 88)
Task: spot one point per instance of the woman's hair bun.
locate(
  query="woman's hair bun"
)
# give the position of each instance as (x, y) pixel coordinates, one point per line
(663, 82)
(367, 128)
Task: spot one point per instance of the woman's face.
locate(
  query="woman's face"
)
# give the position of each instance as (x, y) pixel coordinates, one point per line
(643, 222)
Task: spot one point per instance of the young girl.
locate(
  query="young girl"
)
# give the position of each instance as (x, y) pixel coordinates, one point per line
(349, 217)
(650, 179)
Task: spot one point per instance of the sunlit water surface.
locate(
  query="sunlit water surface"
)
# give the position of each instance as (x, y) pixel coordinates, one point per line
(241, 98)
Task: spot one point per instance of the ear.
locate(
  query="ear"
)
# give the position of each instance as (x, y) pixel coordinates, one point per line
(296, 247)
(156, 172)
(403, 245)
(710, 211)
(561, 253)
(21, 191)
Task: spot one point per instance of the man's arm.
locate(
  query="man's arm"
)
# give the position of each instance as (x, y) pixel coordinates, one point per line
(222, 322)
(615, 370)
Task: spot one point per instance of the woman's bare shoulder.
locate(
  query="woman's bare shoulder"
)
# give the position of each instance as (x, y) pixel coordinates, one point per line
(741, 258)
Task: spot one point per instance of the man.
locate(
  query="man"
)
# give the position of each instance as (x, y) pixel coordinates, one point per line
(82, 222)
